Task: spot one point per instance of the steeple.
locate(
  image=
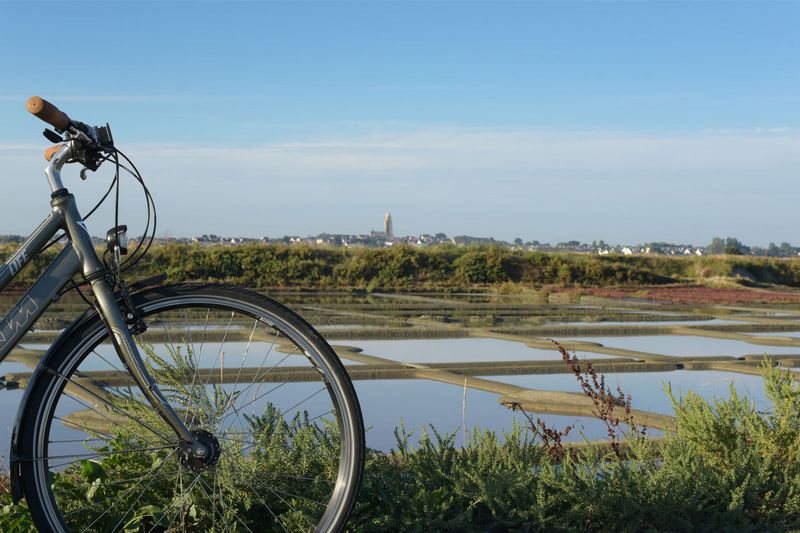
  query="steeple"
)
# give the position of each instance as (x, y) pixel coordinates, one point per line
(387, 226)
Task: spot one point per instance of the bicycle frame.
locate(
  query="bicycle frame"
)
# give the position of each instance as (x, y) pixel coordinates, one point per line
(78, 255)
(44, 291)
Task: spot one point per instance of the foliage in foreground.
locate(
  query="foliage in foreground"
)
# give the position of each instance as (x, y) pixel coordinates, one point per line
(727, 467)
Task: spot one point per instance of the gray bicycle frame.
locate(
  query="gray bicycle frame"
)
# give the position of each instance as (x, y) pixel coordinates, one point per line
(78, 256)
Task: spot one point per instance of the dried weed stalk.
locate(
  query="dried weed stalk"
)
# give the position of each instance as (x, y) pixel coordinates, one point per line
(606, 407)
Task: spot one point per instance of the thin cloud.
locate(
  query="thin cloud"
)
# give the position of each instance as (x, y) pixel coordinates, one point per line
(10, 147)
(494, 154)
(547, 185)
(500, 154)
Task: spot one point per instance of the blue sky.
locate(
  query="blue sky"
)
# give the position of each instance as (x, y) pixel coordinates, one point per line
(628, 122)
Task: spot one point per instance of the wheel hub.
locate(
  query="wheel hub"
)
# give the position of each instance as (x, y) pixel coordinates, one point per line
(205, 455)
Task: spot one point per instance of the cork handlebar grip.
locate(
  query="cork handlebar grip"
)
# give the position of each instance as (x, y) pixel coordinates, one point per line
(47, 112)
(53, 150)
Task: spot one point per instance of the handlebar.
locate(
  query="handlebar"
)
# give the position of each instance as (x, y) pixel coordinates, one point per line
(47, 112)
(89, 142)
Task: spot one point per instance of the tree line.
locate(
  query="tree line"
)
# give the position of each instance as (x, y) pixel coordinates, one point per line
(441, 267)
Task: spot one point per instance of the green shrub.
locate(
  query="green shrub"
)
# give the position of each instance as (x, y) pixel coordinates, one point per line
(727, 467)
(436, 268)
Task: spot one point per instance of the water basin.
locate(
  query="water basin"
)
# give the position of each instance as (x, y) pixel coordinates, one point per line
(454, 350)
(684, 345)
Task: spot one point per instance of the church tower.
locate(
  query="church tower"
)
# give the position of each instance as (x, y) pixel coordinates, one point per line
(387, 226)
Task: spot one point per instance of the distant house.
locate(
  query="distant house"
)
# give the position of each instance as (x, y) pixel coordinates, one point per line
(463, 240)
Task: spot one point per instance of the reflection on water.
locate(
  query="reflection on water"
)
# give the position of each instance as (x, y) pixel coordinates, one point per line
(418, 403)
(590, 323)
(686, 345)
(421, 403)
(9, 401)
(455, 350)
(226, 409)
(206, 355)
(334, 327)
(10, 367)
(647, 388)
(795, 334)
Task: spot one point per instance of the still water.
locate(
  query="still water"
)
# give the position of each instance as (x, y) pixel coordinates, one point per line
(420, 403)
(687, 345)
(455, 350)
(648, 389)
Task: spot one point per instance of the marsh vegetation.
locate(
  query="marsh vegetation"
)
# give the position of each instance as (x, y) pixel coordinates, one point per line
(415, 357)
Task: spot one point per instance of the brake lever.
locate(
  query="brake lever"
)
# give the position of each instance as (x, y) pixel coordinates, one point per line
(52, 136)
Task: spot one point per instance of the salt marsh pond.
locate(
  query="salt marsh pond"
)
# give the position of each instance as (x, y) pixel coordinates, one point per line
(450, 360)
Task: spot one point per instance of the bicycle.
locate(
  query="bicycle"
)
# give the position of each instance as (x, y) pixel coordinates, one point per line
(138, 418)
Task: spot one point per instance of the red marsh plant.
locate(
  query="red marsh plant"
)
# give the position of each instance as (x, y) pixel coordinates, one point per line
(606, 407)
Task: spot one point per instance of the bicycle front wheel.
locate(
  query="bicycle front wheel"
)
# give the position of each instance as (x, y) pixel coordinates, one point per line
(258, 385)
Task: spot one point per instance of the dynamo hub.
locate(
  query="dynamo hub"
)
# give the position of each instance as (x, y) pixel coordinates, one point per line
(201, 457)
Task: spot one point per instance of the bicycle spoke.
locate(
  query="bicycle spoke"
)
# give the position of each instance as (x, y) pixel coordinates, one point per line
(221, 348)
(205, 328)
(223, 502)
(176, 500)
(239, 374)
(152, 479)
(88, 430)
(142, 480)
(68, 441)
(263, 361)
(321, 415)
(269, 509)
(188, 329)
(112, 406)
(195, 359)
(236, 409)
(254, 400)
(214, 497)
(102, 503)
(81, 457)
(237, 441)
(92, 409)
(99, 447)
(255, 380)
(304, 400)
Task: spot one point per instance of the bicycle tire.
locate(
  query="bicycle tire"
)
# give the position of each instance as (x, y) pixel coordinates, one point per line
(243, 488)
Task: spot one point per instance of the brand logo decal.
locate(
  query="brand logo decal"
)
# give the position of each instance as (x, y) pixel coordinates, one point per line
(18, 318)
(18, 261)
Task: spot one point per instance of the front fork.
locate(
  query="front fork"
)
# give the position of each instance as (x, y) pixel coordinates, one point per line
(64, 203)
